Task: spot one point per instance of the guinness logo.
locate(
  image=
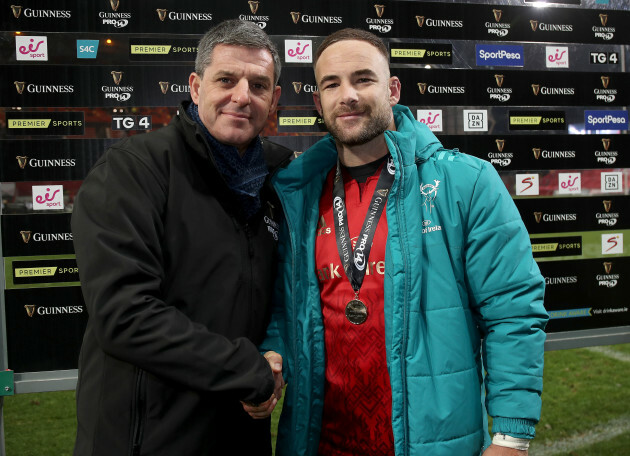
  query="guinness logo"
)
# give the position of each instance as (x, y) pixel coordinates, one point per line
(17, 10)
(420, 20)
(607, 266)
(606, 143)
(534, 24)
(297, 86)
(19, 86)
(536, 151)
(161, 13)
(295, 16)
(422, 86)
(253, 6)
(538, 216)
(605, 81)
(164, 86)
(22, 161)
(26, 236)
(380, 9)
(114, 4)
(603, 18)
(117, 76)
(499, 79)
(497, 14)
(536, 89)
(607, 205)
(500, 144)
(383, 192)
(30, 309)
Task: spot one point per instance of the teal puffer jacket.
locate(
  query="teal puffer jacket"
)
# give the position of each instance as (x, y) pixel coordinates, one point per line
(458, 269)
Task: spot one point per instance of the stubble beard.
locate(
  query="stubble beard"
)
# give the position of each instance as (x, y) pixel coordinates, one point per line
(377, 122)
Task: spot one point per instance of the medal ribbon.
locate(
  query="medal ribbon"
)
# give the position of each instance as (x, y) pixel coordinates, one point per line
(355, 260)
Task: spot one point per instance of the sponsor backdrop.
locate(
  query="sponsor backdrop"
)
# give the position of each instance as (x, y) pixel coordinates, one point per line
(542, 93)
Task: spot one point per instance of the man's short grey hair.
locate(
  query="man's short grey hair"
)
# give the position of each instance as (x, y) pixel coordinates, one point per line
(235, 32)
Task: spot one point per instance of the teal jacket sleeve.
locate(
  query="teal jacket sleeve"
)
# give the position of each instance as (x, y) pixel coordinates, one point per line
(507, 291)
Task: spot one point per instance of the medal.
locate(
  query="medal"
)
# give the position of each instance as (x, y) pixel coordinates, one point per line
(355, 260)
(356, 312)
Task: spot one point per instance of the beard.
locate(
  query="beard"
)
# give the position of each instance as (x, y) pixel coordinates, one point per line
(376, 122)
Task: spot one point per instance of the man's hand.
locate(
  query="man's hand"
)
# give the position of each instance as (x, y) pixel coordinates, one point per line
(275, 361)
(496, 450)
(260, 411)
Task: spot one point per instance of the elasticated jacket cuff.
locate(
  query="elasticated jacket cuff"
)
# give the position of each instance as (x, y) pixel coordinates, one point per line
(522, 429)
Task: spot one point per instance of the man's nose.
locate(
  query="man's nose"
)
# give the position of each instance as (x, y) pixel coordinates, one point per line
(240, 94)
(349, 94)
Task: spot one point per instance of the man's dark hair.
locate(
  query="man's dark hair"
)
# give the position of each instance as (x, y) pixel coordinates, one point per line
(351, 34)
(235, 32)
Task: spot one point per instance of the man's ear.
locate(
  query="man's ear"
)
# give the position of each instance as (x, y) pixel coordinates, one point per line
(394, 90)
(318, 103)
(275, 97)
(194, 81)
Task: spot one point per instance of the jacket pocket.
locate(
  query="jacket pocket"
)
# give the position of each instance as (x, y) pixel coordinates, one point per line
(138, 412)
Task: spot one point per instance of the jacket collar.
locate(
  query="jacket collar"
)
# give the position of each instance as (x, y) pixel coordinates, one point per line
(414, 139)
(411, 135)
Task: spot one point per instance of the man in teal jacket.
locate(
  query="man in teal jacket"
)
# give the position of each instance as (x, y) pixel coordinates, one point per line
(451, 294)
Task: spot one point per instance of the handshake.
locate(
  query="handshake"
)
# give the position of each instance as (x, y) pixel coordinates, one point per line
(260, 411)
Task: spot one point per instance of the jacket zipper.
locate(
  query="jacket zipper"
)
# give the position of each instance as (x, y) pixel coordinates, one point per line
(293, 318)
(403, 367)
(138, 414)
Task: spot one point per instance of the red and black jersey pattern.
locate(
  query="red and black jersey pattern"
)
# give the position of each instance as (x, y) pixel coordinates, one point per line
(357, 402)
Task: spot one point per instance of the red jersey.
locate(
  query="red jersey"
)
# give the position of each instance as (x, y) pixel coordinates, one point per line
(357, 397)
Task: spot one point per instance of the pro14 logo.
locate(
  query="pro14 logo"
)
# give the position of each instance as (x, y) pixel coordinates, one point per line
(605, 58)
(608, 279)
(117, 92)
(118, 20)
(607, 218)
(501, 158)
(379, 24)
(606, 156)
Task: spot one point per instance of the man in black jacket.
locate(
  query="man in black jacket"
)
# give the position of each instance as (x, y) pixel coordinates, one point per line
(175, 234)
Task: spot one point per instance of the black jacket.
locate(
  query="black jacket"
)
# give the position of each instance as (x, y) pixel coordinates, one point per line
(177, 289)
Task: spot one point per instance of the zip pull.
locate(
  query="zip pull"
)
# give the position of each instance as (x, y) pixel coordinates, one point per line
(271, 208)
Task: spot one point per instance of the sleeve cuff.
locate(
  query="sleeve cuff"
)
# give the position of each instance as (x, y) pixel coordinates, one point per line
(519, 428)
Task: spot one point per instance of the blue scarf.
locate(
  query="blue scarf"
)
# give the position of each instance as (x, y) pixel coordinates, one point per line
(244, 175)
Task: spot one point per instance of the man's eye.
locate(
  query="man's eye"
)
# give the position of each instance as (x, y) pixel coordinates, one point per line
(331, 85)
